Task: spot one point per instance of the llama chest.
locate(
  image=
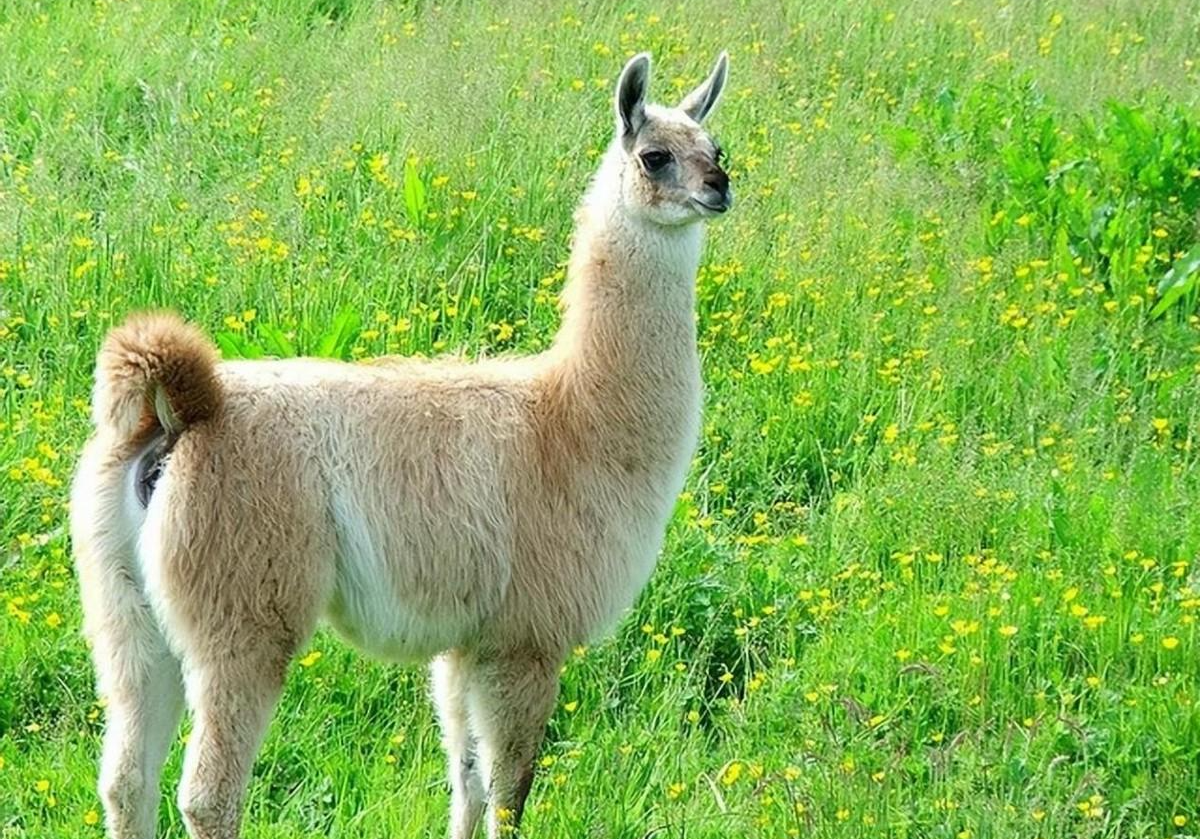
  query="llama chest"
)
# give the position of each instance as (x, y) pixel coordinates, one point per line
(624, 521)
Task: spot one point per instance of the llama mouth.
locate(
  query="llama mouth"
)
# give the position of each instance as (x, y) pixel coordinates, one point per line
(711, 209)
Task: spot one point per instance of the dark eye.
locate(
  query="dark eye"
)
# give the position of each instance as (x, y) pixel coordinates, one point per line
(655, 159)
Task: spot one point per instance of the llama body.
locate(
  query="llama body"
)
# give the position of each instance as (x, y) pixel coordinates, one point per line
(492, 514)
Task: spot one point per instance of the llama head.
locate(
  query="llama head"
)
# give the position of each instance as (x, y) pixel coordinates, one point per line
(671, 167)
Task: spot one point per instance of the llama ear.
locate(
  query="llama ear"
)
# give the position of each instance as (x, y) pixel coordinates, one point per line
(699, 103)
(631, 95)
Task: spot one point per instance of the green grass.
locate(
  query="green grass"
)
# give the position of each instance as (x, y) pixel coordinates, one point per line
(935, 571)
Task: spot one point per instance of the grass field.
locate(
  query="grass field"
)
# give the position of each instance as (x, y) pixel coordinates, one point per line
(937, 569)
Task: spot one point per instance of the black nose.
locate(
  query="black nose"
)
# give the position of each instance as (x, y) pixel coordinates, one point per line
(717, 181)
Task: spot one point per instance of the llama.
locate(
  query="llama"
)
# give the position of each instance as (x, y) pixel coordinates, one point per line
(488, 515)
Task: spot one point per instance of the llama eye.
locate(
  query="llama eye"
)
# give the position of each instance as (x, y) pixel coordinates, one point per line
(655, 160)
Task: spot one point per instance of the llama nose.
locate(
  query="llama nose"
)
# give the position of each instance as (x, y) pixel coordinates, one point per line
(717, 181)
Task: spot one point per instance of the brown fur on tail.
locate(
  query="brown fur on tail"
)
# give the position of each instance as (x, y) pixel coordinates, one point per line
(155, 370)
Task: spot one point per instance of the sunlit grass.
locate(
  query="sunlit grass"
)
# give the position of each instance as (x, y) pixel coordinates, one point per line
(934, 573)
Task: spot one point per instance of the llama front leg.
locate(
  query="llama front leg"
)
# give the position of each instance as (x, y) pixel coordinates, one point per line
(450, 674)
(232, 700)
(511, 699)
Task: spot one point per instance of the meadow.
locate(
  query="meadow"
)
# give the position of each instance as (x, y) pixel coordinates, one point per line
(936, 572)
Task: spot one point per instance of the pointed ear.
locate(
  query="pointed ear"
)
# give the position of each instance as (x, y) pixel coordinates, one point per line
(631, 95)
(699, 103)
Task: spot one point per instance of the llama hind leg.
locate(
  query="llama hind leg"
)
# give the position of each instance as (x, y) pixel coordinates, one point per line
(137, 674)
(232, 696)
(145, 700)
(511, 698)
(239, 586)
(236, 647)
(236, 641)
(450, 674)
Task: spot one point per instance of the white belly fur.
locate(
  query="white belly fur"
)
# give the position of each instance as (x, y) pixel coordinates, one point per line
(365, 607)
(411, 582)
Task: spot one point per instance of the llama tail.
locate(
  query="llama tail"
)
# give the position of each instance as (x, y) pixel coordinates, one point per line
(155, 370)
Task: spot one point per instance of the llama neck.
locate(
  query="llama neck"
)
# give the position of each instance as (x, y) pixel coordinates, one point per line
(628, 338)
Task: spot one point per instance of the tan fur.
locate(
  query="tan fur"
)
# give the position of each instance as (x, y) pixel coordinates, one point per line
(491, 515)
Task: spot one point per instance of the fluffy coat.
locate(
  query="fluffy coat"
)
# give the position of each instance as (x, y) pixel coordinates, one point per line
(489, 514)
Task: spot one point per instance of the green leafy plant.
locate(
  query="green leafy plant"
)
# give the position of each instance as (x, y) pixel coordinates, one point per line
(414, 193)
(1116, 192)
(335, 341)
(1179, 283)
